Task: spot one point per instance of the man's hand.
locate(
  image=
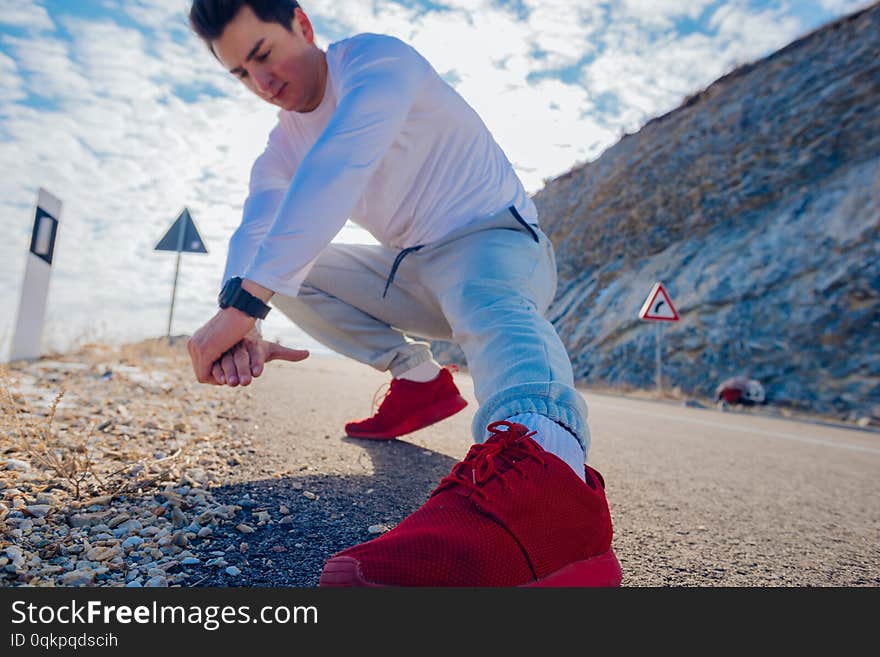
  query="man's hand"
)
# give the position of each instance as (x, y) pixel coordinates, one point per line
(244, 362)
(221, 332)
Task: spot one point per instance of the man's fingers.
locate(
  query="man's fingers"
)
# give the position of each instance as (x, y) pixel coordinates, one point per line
(217, 373)
(242, 361)
(256, 356)
(277, 352)
(229, 371)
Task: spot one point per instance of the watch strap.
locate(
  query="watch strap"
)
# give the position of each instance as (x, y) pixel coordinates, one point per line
(250, 305)
(234, 295)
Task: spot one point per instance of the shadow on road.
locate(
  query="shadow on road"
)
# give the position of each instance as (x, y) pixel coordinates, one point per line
(293, 553)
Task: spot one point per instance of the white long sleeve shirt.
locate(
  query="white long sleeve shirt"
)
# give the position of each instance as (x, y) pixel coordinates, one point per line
(391, 146)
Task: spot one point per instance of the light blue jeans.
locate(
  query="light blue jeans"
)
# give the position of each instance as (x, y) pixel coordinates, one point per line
(485, 287)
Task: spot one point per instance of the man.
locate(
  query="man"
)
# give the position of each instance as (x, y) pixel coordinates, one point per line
(368, 130)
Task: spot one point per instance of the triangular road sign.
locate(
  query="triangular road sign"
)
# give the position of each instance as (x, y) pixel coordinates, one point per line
(182, 236)
(658, 306)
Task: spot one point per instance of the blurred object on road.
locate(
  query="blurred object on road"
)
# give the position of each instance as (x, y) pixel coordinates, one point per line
(740, 390)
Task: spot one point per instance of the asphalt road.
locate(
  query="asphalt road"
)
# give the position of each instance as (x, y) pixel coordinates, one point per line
(698, 497)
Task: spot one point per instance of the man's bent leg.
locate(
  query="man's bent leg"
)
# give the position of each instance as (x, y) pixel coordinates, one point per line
(503, 283)
(344, 305)
(340, 305)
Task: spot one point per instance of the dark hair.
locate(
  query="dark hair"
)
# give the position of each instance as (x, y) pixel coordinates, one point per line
(208, 18)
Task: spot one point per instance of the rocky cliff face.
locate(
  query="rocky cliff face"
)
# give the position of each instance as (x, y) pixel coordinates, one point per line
(757, 203)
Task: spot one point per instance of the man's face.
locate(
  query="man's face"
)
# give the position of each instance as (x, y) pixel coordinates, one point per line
(284, 68)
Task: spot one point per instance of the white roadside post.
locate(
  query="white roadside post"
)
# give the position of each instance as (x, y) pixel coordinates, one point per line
(182, 237)
(35, 287)
(658, 308)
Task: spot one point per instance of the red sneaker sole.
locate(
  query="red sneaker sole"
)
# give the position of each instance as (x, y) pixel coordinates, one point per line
(601, 570)
(422, 418)
(598, 571)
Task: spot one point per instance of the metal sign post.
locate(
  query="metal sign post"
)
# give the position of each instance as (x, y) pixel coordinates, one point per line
(658, 308)
(183, 236)
(659, 350)
(35, 287)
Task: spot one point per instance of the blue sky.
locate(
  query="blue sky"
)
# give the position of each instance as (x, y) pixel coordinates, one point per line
(116, 108)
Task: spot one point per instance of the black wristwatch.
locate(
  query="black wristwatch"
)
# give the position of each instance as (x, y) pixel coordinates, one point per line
(234, 295)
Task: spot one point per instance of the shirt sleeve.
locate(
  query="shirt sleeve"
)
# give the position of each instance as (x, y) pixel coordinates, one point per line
(270, 176)
(379, 80)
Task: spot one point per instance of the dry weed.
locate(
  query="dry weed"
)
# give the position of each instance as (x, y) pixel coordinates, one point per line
(65, 454)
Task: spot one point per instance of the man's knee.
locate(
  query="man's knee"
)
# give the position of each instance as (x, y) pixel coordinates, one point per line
(475, 300)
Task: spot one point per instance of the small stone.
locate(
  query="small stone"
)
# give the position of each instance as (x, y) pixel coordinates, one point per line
(132, 542)
(243, 548)
(287, 520)
(16, 556)
(283, 510)
(245, 529)
(101, 500)
(118, 520)
(190, 561)
(232, 570)
(178, 518)
(262, 517)
(377, 529)
(310, 495)
(100, 554)
(156, 582)
(204, 532)
(78, 577)
(37, 510)
(16, 465)
(279, 548)
(127, 527)
(88, 519)
(134, 584)
(46, 498)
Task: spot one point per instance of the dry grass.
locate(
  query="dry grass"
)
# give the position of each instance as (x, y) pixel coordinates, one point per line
(65, 454)
(66, 451)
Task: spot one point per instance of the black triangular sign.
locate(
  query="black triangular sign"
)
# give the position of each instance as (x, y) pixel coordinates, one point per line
(189, 242)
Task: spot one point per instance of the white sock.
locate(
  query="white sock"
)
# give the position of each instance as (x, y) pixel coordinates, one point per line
(554, 438)
(423, 372)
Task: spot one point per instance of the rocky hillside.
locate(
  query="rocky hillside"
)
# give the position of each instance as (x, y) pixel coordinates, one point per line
(757, 203)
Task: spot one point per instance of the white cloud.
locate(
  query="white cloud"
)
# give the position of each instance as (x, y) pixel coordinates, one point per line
(47, 63)
(11, 84)
(841, 7)
(28, 15)
(662, 13)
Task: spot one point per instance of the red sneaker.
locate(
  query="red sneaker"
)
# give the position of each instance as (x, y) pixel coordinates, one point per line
(510, 514)
(409, 406)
